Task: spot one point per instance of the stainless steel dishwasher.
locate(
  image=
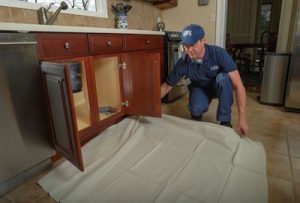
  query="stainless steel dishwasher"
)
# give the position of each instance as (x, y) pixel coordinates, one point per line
(25, 145)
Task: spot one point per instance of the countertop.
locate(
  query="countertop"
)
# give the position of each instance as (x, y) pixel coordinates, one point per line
(19, 27)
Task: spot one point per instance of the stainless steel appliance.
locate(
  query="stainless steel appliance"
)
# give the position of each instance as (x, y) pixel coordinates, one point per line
(292, 96)
(172, 52)
(274, 78)
(25, 146)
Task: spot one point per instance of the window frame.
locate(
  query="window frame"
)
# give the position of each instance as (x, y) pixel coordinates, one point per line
(101, 7)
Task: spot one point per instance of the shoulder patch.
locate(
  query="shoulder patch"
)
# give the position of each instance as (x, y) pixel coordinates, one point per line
(214, 68)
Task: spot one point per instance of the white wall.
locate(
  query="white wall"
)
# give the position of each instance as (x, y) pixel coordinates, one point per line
(187, 12)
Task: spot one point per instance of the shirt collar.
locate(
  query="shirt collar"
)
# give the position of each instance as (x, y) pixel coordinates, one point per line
(206, 54)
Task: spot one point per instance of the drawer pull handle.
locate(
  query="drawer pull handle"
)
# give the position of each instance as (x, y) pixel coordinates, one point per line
(67, 45)
(108, 44)
(148, 42)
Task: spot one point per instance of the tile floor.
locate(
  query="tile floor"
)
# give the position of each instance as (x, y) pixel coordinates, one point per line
(279, 132)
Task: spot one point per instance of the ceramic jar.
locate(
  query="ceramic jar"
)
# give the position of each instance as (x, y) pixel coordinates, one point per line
(121, 20)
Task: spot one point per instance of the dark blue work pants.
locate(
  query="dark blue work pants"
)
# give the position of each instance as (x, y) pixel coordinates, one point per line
(200, 98)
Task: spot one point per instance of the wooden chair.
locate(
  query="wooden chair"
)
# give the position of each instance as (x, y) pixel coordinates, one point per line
(242, 59)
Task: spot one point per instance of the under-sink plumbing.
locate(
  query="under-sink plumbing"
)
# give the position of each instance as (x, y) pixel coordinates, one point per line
(42, 13)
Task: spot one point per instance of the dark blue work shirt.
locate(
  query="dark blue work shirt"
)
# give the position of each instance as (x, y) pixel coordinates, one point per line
(203, 74)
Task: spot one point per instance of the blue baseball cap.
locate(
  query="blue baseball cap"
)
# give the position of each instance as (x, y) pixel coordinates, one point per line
(191, 34)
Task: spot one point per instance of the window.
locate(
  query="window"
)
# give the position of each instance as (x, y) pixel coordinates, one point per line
(265, 18)
(97, 8)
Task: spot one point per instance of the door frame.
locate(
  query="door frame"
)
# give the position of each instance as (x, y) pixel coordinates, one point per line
(221, 22)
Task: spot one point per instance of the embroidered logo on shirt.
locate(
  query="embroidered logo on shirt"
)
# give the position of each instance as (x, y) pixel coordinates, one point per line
(187, 33)
(214, 68)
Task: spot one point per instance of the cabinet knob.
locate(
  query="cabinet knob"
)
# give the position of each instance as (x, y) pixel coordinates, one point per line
(108, 44)
(67, 45)
(148, 42)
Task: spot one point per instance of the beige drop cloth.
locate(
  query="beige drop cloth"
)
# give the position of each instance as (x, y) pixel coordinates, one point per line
(168, 159)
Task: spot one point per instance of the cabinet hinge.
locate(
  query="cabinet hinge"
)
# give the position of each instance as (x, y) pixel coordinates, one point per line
(126, 103)
(123, 65)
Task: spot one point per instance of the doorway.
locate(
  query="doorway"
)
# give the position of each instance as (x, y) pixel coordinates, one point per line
(252, 29)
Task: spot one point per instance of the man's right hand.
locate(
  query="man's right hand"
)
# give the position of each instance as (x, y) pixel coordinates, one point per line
(164, 89)
(243, 128)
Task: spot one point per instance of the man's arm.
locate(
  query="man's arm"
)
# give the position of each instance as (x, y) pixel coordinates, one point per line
(164, 89)
(241, 101)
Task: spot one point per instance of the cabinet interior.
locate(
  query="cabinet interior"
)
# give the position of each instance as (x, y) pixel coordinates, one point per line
(81, 103)
(107, 79)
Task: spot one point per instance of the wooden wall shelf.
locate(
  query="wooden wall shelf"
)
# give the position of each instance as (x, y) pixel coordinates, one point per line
(165, 4)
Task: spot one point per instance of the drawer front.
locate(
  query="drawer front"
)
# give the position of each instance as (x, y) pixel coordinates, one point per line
(105, 43)
(54, 46)
(142, 42)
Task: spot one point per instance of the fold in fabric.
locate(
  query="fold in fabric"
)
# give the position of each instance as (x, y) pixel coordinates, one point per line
(168, 159)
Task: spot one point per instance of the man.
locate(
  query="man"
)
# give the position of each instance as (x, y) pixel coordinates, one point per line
(213, 74)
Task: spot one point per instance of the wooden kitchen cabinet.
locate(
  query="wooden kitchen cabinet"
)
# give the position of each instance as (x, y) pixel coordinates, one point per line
(117, 79)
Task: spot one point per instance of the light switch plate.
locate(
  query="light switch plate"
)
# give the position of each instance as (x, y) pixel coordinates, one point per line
(212, 17)
(203, 2)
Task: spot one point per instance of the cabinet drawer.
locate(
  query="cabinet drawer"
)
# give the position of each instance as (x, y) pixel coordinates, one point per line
(142, 42)
(105, 43)
(52, 46)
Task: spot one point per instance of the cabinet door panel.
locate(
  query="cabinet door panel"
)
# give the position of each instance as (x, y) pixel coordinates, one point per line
(62, 114)
(141, 83)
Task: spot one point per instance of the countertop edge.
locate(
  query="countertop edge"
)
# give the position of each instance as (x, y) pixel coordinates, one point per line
(24, 28)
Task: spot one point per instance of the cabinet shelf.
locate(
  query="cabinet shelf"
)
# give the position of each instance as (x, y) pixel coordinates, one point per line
(82, 116)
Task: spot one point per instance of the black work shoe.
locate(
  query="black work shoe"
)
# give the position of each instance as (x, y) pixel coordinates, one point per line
(197, 118)
(226, 123)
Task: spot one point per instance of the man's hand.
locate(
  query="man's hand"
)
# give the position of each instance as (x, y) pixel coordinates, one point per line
(164, 89)
(243, 128)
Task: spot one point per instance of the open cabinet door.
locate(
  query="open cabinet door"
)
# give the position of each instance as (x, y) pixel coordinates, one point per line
(141, 83)
(61, 108)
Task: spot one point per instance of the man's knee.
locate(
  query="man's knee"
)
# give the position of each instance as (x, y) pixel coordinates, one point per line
(198, 110)
(222, 78)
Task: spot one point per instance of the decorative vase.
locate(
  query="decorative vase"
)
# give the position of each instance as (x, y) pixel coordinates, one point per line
(121, 19)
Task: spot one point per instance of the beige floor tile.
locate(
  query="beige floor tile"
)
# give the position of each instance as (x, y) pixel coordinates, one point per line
(4, 200)
(267, 122)
(295, 162)
(293, 130)
(292, 117)
(272, 144)
(46, 199)
(28, 192)
(279, 166)
(280, 190)
(267, 126)
(294, 146)
(297, 192)
(292, 122)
